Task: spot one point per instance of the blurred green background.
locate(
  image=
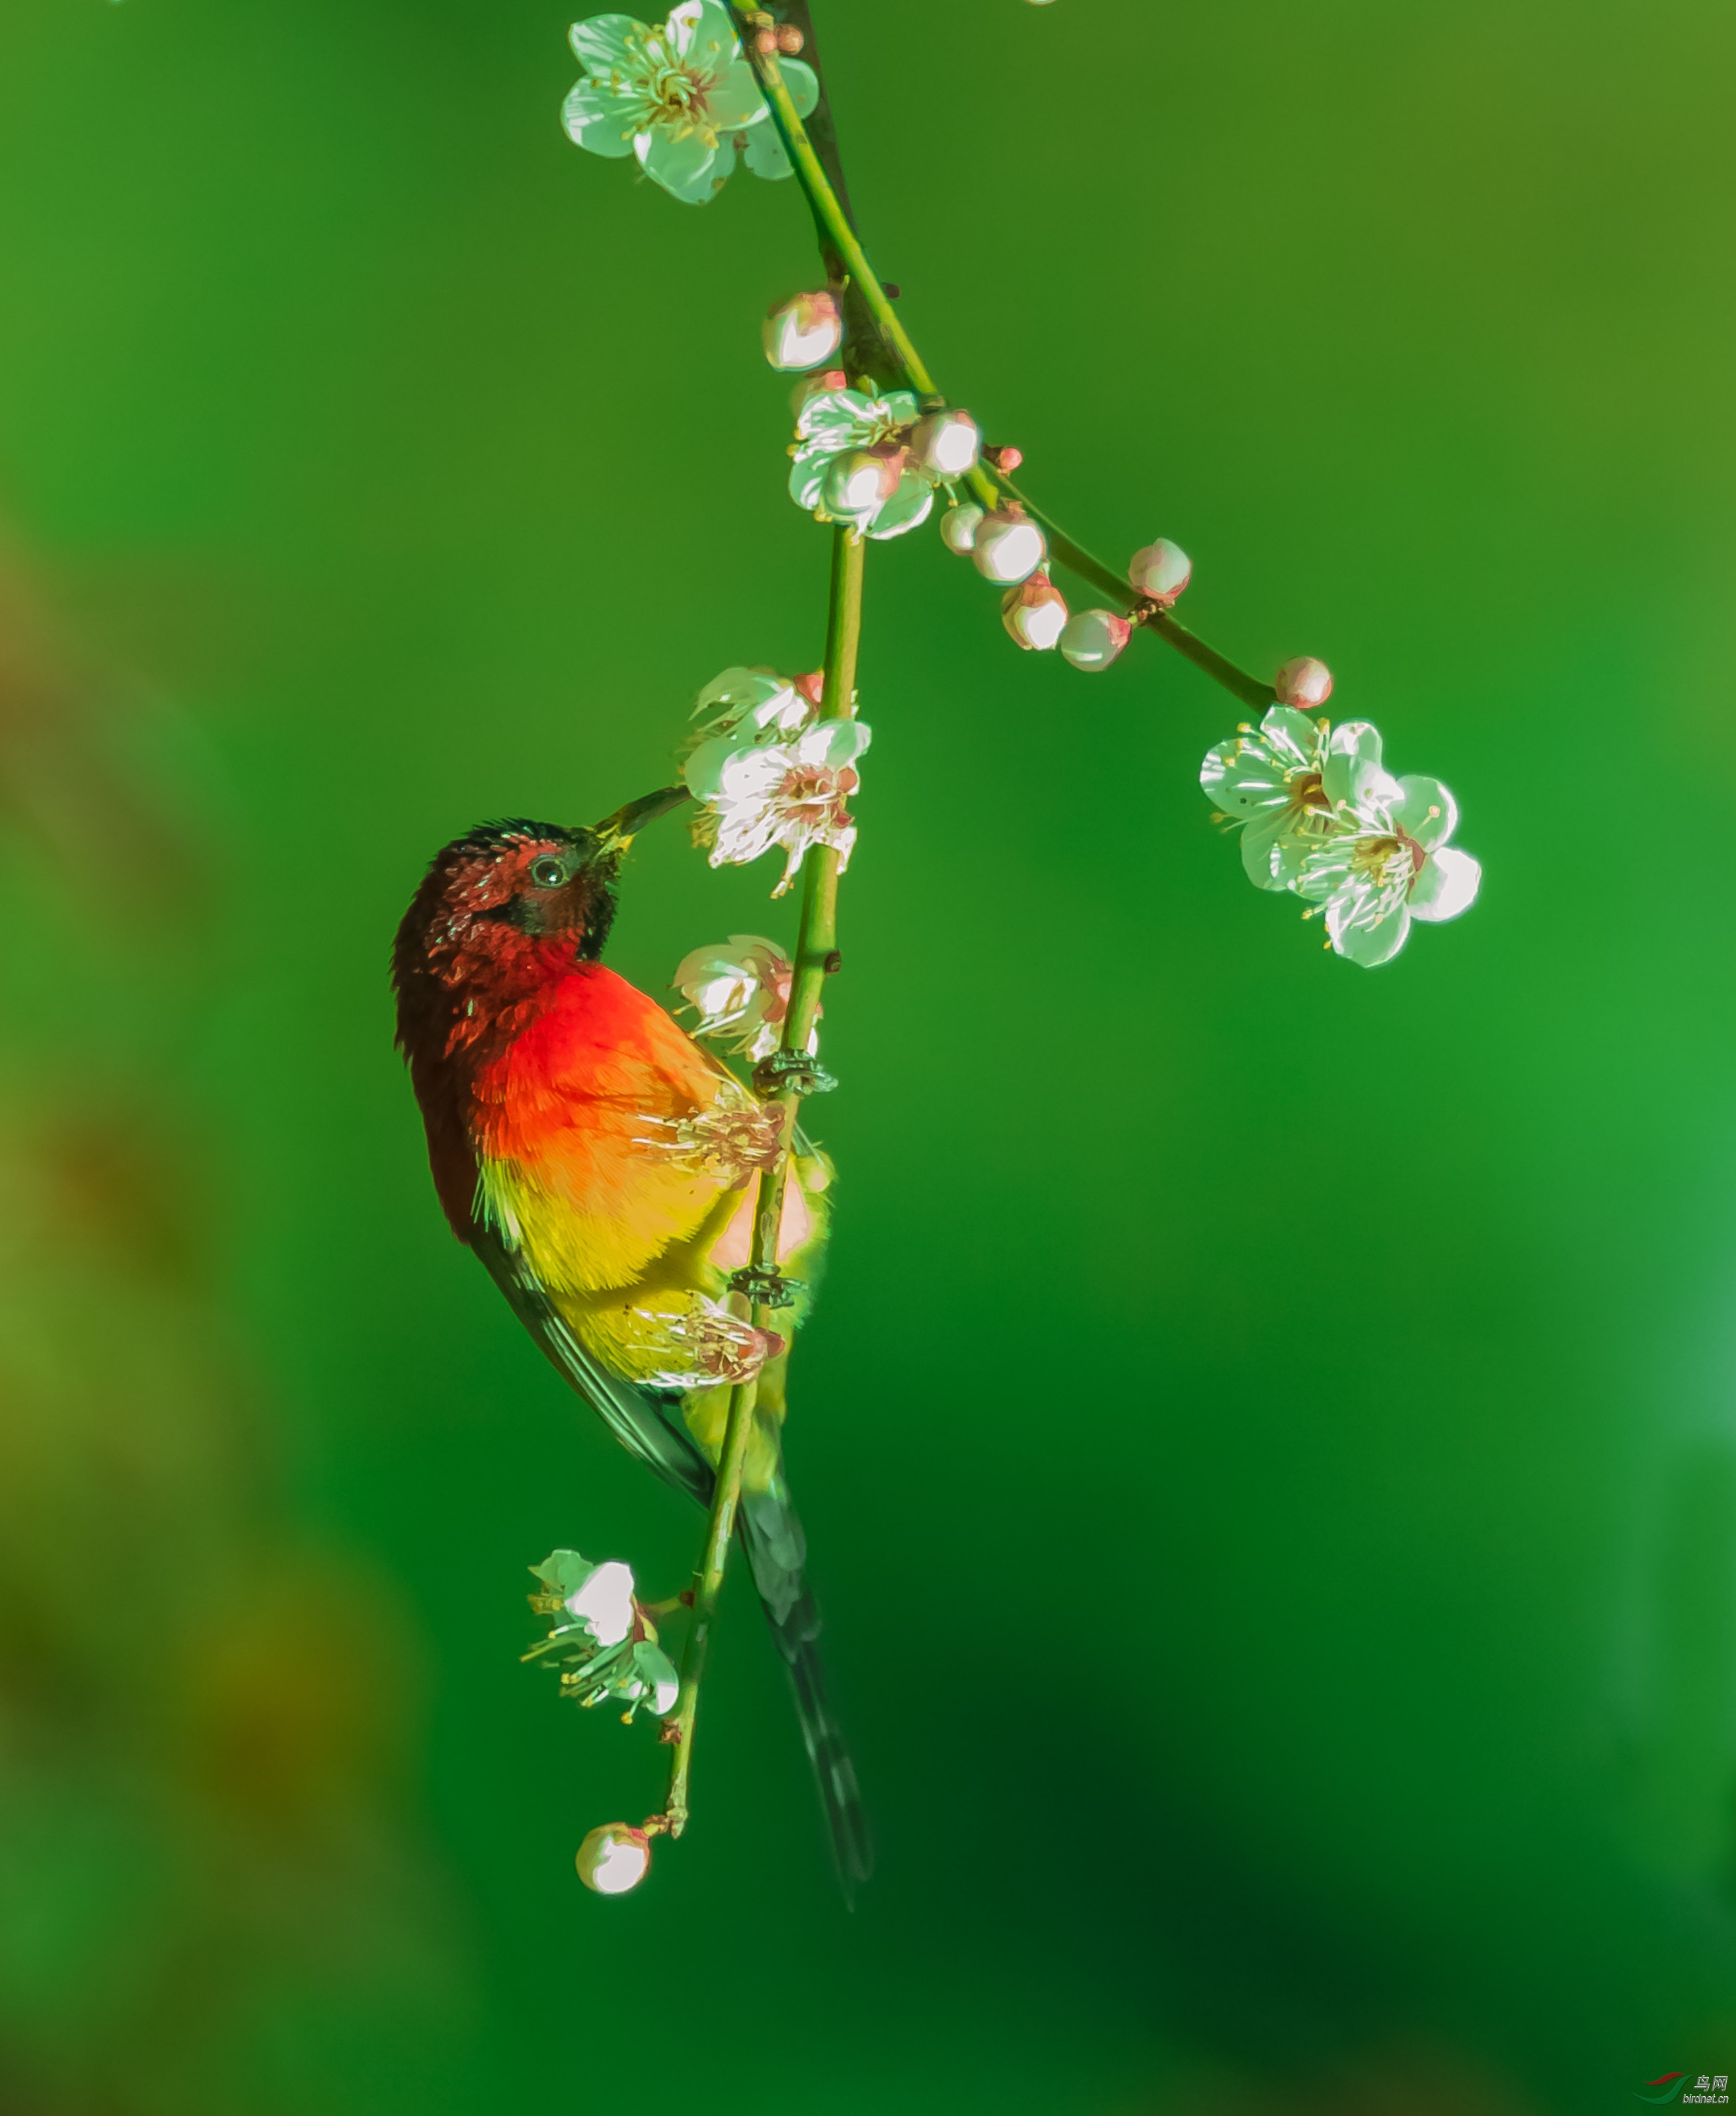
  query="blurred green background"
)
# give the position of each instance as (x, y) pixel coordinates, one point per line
(1267, 1443)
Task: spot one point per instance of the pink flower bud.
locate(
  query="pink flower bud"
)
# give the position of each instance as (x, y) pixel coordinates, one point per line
(812, 385)
(1161, 571)
(958, 527)
(861, 480)
(614, 1858)
(946, 443)
(1035, 613)
(1007, 546)
(810, 686)
(803, 331)
(1094, 638)
(1303, 681)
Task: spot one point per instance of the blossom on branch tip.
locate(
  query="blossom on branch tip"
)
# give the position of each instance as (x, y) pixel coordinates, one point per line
(792, 794)
(740, 988)
(1320, 816)
(681, 98)
(1268, 782)
(804, 331)
(1007, 546)
(1092, 638)
(1160, 571)
(1034, 612)
(1387, 860)
(614, 1858)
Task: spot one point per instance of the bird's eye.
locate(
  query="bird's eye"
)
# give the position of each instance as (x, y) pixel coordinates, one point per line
(548, 873)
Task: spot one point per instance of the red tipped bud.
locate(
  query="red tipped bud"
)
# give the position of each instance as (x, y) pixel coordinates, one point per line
(1035, 613)
(614, 1858)
(790, 41)
(1006, 459)
(811, 385)
(1007, 546)
(1160, 571)
(803, 331)
(1094, 638)
(946, 443)
(1303, 681)
(862, 480)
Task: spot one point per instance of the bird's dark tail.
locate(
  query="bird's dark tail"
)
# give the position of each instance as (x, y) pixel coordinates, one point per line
(777, 1551)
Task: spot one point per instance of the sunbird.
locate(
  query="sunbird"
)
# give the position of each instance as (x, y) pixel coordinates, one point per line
(602, 1164)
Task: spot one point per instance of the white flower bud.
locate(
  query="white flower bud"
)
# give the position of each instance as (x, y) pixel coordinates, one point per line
(1094, 638)
(958, 527)
(614, 1858)
(1160, 571)
(1035, 613)
(946, 443)
(859, 481)
(1303, 681)
(1008, 547)
(803, 332)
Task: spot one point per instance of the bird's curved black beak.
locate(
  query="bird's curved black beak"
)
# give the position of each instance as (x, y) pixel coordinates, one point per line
(615, 833)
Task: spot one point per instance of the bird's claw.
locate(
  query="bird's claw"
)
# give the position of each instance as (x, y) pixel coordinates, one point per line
(795, 1069)
(764, 1288)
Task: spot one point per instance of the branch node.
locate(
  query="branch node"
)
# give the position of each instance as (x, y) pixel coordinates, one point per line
(795, 1069)
(765, 1287)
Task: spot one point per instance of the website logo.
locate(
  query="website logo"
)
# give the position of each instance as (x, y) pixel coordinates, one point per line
(1713, 2087)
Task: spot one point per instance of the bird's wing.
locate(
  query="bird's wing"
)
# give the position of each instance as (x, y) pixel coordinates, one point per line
(638, 1416)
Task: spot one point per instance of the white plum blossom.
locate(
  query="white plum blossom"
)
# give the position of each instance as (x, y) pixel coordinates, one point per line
(791, 793)
(681, 98)
(740, 988)
(1321, 817)
(1387, 860)
(1268, 781)
(707, 1345)
(603, 1602)
(603, 1641)
(757, 704)
(851, 466)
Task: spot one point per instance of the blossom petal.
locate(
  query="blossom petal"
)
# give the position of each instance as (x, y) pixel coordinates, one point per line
(766, 155)
(1428, 813)
(1263, 852)
(840, 418)
(1363, 941)
(687, 164)
(733, 101)
(1293, 737)
(808, 473)
(907, 507)
(834, 743)
(702, 36)
(611, 43)
(599, 121)
(1447, 883)
(1354, 776)
(803, 83)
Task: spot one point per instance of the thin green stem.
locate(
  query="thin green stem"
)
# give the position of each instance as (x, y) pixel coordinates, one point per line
(708, 1584)
(834, 222)
(815, 949)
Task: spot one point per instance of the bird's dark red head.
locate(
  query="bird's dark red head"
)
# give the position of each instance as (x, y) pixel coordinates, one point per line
(503, 913)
